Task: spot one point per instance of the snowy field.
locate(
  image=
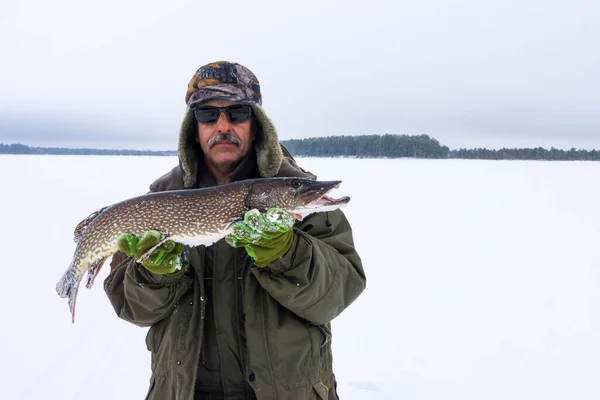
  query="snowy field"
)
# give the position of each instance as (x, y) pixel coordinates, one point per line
(483, 280)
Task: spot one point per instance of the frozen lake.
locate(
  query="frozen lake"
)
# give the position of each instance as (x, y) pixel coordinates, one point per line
(483, 280)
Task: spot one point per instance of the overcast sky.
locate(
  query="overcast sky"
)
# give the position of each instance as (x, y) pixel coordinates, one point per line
(471, 73)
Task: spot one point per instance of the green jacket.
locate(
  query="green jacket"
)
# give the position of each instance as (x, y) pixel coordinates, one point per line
(285, 309)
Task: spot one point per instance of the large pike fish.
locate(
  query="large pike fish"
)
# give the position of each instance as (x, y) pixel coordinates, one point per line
(192, 217)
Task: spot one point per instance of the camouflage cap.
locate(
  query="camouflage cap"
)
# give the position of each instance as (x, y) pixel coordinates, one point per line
(223, 80)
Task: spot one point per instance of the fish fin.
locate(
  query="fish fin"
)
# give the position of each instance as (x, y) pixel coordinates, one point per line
(80, 228)
(64, 285)
(68, 286)
(151, 249)
(93, 272)
(72, 300)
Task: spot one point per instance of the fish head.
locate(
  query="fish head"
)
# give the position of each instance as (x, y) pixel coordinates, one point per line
(298, 196)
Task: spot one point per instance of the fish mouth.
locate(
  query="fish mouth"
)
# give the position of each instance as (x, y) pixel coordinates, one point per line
(316, 198)
(325, 201)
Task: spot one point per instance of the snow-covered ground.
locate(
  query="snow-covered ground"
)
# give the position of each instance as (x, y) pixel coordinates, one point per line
(483, 280)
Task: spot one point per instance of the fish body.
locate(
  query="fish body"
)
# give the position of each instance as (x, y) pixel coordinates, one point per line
(192, 217)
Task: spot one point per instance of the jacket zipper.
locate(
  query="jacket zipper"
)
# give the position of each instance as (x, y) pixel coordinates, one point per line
(239, 282)
(266, 341)
(202, 306)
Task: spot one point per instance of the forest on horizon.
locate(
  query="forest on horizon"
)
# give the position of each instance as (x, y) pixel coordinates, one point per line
(363, 146)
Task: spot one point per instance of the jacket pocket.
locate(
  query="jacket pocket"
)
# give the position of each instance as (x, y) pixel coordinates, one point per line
(322, 390)
(154, 336)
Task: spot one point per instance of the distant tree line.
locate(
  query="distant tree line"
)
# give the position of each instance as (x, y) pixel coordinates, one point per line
(420, 146)
(537, 153)
(23, 149)
(364, 146)
(368, 146)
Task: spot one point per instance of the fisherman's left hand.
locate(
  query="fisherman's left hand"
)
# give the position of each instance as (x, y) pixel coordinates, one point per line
(265, 236)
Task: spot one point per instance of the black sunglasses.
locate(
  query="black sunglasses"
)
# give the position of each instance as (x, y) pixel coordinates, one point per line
(235, 113)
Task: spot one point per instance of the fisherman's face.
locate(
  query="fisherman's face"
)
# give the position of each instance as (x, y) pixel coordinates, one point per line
(225, 143)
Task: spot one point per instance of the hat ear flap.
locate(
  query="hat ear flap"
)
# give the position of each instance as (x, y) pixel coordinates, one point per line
(268, 151)
(188, 149)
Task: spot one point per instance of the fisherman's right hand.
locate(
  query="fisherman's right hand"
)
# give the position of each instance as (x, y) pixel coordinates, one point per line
(163, 260)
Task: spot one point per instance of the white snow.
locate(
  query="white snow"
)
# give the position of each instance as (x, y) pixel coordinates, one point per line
(483, 280)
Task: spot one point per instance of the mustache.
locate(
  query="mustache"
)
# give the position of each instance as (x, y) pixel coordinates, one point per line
(223, 137)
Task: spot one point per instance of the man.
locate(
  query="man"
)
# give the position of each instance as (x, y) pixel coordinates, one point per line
(247, 317)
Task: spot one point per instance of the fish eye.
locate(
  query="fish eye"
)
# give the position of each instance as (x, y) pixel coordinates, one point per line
(296, 183)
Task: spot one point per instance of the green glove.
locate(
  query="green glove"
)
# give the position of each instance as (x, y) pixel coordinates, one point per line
(265, 236)
(163, 260)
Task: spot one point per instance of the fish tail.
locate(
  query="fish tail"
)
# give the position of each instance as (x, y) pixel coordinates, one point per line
(67, 287)
(65, 284)
(72, 300)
